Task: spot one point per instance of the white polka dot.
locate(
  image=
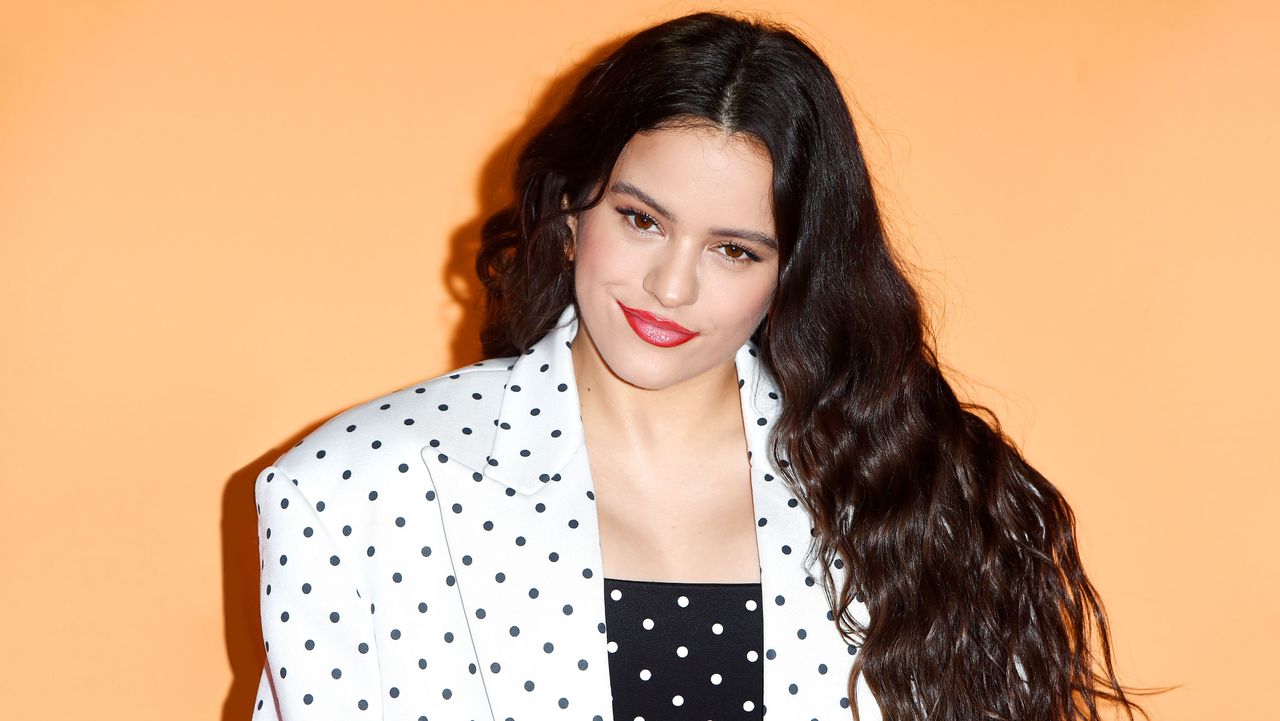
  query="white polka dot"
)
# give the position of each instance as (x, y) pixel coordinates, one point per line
(717, 629)
(613, 646)
(751, 604)
(647, 623)
(716, 678)
(747, 706)
(752, 655)
(681, 651)
(615, 594)
(677, 700)
(683, 601)
(645, 674)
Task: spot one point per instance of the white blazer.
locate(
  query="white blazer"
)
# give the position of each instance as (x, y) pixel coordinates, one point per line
(434, 554)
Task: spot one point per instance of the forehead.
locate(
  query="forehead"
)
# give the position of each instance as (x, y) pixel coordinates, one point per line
(701, 172)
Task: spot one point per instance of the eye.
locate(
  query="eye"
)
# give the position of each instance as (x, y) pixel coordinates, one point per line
(738, 254)
(638, 219)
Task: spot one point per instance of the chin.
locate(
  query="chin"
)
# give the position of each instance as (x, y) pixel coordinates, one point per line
(635, 373)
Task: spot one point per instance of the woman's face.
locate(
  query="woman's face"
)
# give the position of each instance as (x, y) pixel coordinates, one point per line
(685, 233)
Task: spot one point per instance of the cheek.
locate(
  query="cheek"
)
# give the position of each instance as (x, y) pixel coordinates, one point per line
(748, 302)
(599, 256)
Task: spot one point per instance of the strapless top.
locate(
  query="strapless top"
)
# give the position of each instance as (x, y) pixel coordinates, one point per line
(682, 650)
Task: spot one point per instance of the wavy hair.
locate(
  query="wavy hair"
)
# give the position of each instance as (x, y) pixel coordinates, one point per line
(965, 555)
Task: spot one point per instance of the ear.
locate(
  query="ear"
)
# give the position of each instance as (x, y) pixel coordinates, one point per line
(570, 220)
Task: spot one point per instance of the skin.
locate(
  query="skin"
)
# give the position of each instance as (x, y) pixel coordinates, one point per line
(664, 426)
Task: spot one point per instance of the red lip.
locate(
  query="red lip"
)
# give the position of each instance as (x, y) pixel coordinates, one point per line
(654, 330)
(654, 320)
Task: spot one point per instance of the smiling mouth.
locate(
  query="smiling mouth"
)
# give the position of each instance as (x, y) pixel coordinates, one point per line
(654, 330)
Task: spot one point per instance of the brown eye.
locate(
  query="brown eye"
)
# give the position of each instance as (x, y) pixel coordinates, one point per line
(640, 220)
(737, 254)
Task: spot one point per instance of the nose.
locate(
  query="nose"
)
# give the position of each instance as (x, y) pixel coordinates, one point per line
(673, 277)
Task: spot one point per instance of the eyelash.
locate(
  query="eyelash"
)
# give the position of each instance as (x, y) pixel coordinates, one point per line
(631, 214)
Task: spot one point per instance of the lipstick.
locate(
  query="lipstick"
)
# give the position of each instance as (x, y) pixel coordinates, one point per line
(654, 330)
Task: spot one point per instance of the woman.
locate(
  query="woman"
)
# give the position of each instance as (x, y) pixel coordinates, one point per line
(784, 506)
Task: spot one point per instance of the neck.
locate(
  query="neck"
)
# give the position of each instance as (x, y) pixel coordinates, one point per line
(642, 420)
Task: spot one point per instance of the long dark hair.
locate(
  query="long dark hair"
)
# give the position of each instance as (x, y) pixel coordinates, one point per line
(964, 554)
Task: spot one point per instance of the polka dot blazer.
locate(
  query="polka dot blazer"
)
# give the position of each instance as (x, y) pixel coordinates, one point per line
(434, 554)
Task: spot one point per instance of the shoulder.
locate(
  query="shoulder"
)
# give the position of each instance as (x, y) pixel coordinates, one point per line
(386, 434)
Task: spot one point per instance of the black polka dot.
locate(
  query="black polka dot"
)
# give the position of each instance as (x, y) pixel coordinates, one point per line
(511, 432)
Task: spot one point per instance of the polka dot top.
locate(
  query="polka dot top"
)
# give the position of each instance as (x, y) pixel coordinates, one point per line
(680, 650)
(435, 553)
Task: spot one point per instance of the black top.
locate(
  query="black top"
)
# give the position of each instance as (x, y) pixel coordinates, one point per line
(684, 650)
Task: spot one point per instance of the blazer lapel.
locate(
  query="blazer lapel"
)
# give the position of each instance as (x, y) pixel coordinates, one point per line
(806, 661)
(526, 552)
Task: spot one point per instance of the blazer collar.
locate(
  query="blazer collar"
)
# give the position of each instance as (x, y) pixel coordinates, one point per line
(542, 380)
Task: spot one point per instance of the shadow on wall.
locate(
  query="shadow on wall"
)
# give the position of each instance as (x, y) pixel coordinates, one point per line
(240, 564)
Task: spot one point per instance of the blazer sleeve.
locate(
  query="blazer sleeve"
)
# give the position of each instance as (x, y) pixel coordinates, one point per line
(318, 630)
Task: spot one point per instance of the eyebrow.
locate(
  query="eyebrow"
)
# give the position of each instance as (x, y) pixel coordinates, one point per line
(625, 188)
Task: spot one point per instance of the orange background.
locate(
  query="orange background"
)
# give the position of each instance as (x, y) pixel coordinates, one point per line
(221, 223)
